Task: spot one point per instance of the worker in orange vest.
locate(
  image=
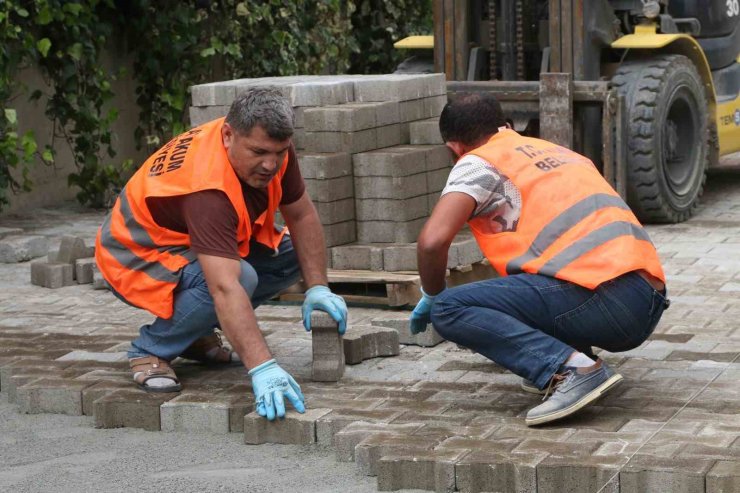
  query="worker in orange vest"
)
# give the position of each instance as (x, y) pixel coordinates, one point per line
(577, 268)
(192, 239)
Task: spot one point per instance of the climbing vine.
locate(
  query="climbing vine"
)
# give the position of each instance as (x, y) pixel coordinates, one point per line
(174, 44)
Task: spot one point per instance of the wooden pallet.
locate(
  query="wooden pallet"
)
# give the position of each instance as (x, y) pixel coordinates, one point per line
(394, 289)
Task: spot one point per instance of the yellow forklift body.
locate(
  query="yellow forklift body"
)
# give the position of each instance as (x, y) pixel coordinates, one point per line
(415, 43)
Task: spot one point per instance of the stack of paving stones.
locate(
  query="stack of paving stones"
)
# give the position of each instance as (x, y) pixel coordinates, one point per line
(72, 262)
(354, 135)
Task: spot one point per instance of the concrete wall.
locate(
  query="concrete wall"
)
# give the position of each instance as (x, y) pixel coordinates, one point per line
(50, 182)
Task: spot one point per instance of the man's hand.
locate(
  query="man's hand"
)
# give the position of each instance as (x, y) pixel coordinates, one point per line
(420, 317)
(269, 384)
(321, 298)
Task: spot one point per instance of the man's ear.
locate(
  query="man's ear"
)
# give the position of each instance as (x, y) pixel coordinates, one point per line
(456, 147)
(227, 134)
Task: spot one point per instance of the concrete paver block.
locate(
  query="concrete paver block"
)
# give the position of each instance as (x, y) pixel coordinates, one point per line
(204, 114)
(410, 111)
(588, 474)
(324, 166)
(363, 342)
(425, 132)
(724, 477)
(351, 142)
(338, 211)
(650, 473)
(400, 257)
(99, 281)
(434, 105)
(437, 179)
(213, 94)
(196, 413)
(437, 157)
(390, 209)
(46, 395)
(340, 233)
(395, 161)
(346, 440)
(485, 471)
(84, 270)
(327, 348)
(389, 135)
(52, 276)
(130, 409)
(428, 338)
(295, 428)
(15, 249)
(389, 231)
(103, 357)
(330, 190)
(71, 248)
(430, 470)
(387, 187)
(357, 257)
(341, 118)
(101, 388)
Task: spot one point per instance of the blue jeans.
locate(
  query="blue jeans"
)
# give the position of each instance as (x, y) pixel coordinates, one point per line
(531, 324)
(263, 275)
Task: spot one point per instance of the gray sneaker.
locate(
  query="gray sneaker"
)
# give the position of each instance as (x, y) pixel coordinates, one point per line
(575, 388)
(528, 386)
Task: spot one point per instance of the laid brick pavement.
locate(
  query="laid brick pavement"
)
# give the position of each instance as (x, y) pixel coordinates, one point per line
(436, 418)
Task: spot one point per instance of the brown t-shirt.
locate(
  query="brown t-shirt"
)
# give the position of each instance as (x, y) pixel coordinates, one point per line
(210, 219)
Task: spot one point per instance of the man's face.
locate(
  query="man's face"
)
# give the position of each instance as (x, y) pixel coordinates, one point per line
(255, 157)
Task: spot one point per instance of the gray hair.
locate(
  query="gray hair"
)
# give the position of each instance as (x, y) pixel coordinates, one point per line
(265, 107)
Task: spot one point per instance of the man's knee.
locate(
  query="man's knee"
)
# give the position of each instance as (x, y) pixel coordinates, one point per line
(443, 313)
(248, 278)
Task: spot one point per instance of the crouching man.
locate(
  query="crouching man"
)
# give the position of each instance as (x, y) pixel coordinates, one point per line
(577, 268)
(192, 239)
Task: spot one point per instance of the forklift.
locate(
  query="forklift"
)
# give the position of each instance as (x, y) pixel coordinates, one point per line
(649, 90)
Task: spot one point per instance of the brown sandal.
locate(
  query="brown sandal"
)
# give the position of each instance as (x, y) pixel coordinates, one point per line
(150, 367)
(210, 349)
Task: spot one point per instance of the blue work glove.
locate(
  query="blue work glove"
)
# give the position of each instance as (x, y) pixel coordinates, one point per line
(420, 317)
(321, 298)
(269, 384)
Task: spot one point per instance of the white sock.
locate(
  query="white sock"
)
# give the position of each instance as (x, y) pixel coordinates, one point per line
(579, 360)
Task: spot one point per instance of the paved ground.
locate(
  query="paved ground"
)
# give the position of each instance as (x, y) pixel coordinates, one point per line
(430, 418)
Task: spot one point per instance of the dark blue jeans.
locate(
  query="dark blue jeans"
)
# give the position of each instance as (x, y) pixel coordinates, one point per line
(531, 324)
(264, 273)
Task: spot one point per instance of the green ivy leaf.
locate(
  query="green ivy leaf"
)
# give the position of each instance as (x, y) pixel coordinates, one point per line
(44, 16)
(242, 10)
(43, 46)
(72, 8)
(21, 12)
(11, 116)
(207, 52)
(75, 51)
(29, 145)
(47, 156)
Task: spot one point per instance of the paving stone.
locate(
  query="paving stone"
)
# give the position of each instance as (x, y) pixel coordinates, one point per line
(240, 407)
(351, 142)
(426, 470)
(196, 413)
(647, 473)
(341, 118)
(724, 477)
(411, 110)
(71, 248)
(369, 451)
(98, 281)
(295, 428)
(327, 348)
(84, 270)
(388, 187)
(434, 105)
(485, 471)
(394, 161)
(330, 190)
(395, 87)
(391, 210)
(338, 211)
(357, 257)
(204, 114)
(366, 342)
(25, 376)
(587, 475)
(324, 166)
(425, 132)
(46, 395)
(340, 233)
(400, 257)
(130, 409)
(52, 276)
(332, 423)
(437, 179)
(101, 388)
(213, 94)
(390, 231)
(91, 356)
(15, 249)
(428, 338)
(346, 440)
(390, 135)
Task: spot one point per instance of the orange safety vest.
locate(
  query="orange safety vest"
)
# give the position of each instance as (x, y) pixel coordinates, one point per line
(573, 225)
(142, 260)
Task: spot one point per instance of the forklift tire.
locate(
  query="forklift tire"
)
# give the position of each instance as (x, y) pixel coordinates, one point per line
(667, 136)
